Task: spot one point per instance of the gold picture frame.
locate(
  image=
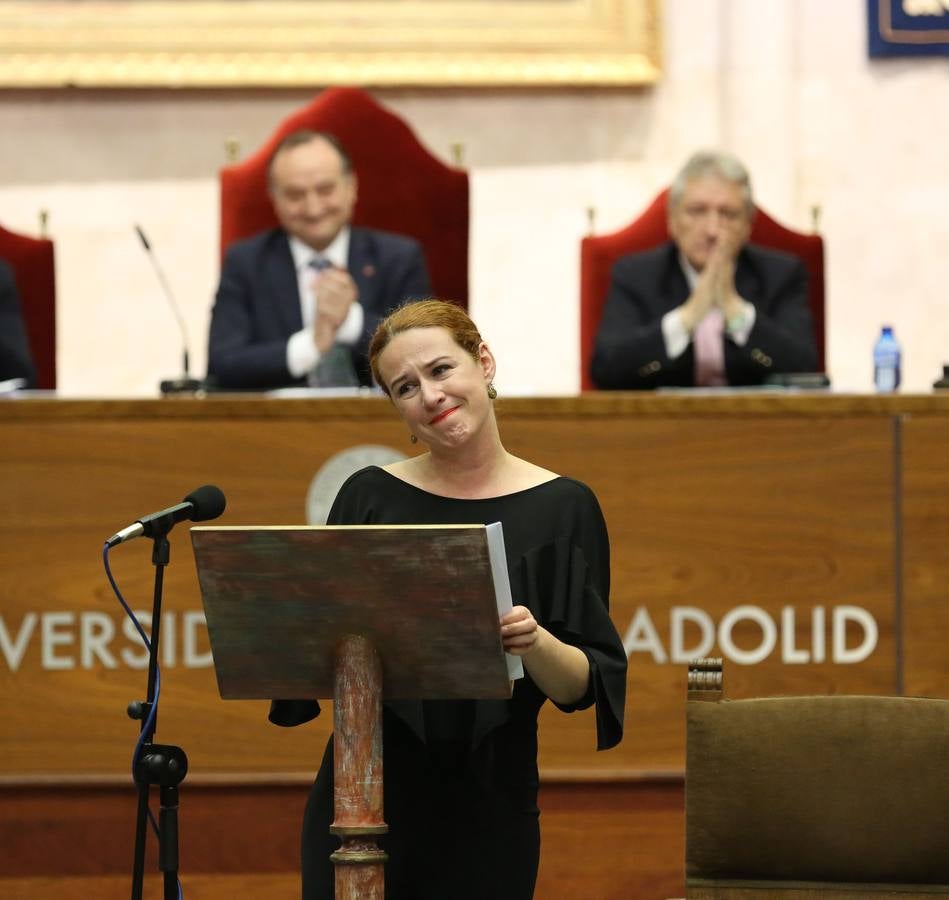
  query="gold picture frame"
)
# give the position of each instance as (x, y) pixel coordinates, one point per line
(294, 43)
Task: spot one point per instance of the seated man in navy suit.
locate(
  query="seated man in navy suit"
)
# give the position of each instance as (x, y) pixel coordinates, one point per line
(297, 305)
(706, 308)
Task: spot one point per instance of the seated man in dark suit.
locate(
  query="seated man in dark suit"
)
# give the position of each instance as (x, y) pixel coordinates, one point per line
(15, 358)
(297, 305)
(706, 308)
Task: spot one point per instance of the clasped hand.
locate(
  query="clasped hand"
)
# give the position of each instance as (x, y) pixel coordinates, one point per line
(715, 286)
(335, 292)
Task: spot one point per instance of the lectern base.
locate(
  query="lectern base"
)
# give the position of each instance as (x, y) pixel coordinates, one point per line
(357, 771)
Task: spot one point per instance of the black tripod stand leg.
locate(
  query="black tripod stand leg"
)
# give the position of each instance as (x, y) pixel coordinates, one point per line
(141, 821)
(168, 840)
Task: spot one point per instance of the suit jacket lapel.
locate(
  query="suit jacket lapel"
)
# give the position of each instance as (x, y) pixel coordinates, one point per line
(674, 292)
(675, 288)
(363, 266)
(746, 279)
(281, 275)
(747, 284)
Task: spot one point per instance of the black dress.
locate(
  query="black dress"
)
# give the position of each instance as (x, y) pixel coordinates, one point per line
(460, 777)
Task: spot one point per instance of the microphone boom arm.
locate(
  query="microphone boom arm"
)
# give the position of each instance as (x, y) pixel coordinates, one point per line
(185, 383)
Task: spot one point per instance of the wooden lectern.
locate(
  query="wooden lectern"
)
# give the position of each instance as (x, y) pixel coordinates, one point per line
(352, 614)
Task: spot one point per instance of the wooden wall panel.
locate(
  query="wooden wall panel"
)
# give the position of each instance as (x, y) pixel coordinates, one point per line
(116, 887)
(608, 841)
(712, 503)
(925, 541)
(718, 513)
(86, 831)
(71, 485)
(612, 841)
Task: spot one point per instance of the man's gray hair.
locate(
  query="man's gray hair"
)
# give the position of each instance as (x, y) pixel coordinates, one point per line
(307, 136)
(717, 164)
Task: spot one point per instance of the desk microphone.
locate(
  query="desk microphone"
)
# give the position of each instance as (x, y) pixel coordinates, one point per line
(184, 384)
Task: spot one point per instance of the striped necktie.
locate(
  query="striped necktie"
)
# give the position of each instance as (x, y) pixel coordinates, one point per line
(334, 367)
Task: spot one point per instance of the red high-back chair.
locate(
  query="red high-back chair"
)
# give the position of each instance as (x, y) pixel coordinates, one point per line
(402, 187)
(33, 267)
(598, 255)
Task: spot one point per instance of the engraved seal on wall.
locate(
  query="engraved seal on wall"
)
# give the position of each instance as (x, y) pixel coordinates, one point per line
(331, 475)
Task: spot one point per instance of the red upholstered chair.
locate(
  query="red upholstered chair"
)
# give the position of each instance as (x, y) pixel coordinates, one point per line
(32, 262)
(402, 187)
(598, 254)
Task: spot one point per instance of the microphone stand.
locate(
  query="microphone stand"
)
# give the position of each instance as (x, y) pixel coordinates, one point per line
(159, 764)
(184, 383)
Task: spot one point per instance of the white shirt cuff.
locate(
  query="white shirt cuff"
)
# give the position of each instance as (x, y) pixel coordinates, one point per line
(741, 334)
(350, 331)
(302, 355)
(674, 333)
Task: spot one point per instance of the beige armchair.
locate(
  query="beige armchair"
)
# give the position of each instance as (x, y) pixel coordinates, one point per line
(827, 797)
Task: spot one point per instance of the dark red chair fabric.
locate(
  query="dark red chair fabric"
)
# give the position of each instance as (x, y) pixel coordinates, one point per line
(402, 187)
(598, 255)
(33, 268)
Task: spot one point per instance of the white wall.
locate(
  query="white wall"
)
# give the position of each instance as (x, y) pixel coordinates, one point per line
(785, 84)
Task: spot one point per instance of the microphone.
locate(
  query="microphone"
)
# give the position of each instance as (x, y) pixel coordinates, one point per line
(206, 502)
(185, 384)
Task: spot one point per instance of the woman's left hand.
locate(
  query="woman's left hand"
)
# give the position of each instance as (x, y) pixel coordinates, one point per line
(560, 670)
(519, 631)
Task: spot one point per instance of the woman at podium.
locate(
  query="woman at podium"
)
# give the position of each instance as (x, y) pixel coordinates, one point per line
(461, 777)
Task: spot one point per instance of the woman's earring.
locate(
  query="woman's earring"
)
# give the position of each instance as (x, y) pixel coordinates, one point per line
(413, 439)
(492, 392)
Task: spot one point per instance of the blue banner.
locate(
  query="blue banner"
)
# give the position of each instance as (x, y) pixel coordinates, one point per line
(908, 27)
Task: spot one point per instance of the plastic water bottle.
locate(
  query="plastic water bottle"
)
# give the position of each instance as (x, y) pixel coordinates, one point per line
(886, 361)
